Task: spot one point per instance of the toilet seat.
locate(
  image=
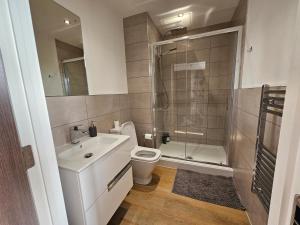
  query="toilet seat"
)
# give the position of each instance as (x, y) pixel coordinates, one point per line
(145, 154)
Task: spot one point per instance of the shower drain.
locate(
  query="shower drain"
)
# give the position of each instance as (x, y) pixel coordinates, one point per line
(189, 157)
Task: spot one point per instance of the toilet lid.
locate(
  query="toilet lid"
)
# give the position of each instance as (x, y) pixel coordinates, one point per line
(128, 129)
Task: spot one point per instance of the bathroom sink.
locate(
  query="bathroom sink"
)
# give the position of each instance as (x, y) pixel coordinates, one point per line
(88, 150)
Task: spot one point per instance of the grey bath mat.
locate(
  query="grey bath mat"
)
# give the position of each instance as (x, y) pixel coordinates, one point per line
(214, 189)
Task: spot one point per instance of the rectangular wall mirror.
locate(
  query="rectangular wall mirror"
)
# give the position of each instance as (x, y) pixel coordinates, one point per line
(60, 50)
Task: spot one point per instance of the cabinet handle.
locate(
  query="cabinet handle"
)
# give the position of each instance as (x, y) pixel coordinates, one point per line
(116, 179)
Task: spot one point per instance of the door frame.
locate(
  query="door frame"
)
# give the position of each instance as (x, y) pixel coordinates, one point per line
(28, 102)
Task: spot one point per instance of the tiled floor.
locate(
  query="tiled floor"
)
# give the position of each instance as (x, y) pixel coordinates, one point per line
(155, 204)
(198, 152)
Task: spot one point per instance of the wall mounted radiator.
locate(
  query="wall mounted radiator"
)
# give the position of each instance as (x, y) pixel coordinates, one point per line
(271, 104)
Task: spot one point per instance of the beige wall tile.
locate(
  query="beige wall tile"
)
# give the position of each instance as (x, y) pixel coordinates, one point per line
(65, 110)
(218, 96)
(249, 100)
(223, 82)
(61, 134)
(195, 108)
(124, 101)
(137, 52)
(247, 124)
(102, 104)
(195, 121)
(257, 212)
(181, 46)
(191, 96)
(220, 69)
(199, 44)
(198, 83)
(215, 122)
(135, 19)
(214, 142)
(139, 85)
(153, 33)
(215, 134)
(141, 130)
(140, 100)
(199, 56)
(69, 111)
(246, 119)
(220, 54)
(138, 68)
(136, 33)
(245, 149)
(141, 115)
(216, 109)
(105, 122)
(222, 40)
(125, 115)
(242, 178)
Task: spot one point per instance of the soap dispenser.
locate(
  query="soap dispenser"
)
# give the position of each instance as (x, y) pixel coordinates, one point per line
(93, 130)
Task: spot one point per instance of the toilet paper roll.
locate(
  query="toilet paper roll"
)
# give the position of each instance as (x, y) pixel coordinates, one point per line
(148, 136)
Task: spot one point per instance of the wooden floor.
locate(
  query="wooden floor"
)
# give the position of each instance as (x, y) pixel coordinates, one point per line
(155, 204)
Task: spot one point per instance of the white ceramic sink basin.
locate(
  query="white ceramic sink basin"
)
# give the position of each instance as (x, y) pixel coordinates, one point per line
(88, 150)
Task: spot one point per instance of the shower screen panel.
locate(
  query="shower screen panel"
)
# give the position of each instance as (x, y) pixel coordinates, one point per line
(75, 80)
(193, 87)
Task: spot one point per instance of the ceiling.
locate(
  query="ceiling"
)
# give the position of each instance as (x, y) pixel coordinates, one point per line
(48, 18)
(170, 14)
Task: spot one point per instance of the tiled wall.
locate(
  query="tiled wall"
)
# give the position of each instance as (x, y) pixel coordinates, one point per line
(198, 100)
(68, 111)
(139, 32)
(246, 109)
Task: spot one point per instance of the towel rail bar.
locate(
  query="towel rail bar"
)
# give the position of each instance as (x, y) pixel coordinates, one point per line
(271, 102)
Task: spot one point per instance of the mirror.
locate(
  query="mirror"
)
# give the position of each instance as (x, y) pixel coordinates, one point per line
(60, 50)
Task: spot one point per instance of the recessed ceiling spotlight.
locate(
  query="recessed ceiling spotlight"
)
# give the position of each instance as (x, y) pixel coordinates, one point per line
(180, 15)
(67, 21)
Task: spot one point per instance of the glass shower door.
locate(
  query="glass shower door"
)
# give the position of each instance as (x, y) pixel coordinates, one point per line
(170, 105)
(75, 80)
(194, 88)
(211, 63)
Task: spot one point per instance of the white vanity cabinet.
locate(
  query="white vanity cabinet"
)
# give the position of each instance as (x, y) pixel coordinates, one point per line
(94, 193)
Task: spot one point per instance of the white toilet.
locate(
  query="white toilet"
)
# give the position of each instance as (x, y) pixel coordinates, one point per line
(143, 159)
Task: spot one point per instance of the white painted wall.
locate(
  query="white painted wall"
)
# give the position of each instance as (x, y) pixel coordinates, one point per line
(30, 110)
(103, 43)
(49, 64)
(286, 181)
(270, 30)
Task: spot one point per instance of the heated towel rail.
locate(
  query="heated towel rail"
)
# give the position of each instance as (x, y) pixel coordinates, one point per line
(271, 102)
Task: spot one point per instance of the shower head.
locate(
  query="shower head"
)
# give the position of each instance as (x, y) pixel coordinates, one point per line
(168, 51)
(172, 49)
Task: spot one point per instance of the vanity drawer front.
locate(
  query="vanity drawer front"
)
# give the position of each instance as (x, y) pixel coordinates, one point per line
(107, 204)
(95, 178)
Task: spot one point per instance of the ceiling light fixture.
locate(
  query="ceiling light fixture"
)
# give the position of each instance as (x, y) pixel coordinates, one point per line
(67, 21)
(180, 15)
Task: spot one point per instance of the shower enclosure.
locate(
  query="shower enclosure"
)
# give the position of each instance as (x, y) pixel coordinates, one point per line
(74, 76)
(193, 83)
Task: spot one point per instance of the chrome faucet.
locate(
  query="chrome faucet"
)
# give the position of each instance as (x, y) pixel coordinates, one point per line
(77, 132)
